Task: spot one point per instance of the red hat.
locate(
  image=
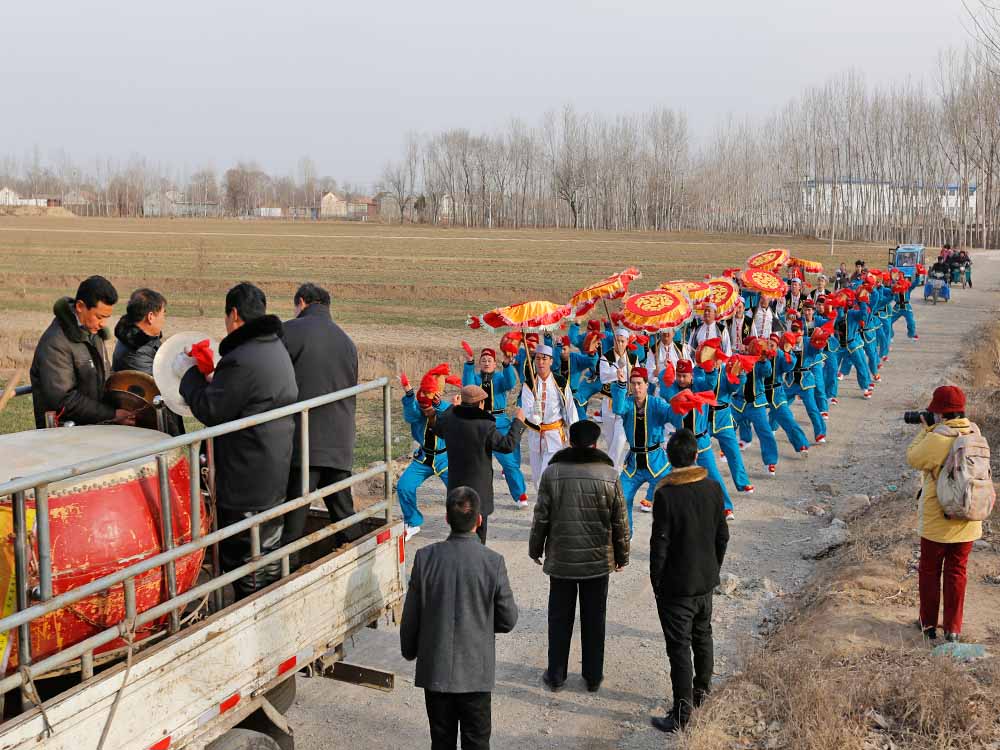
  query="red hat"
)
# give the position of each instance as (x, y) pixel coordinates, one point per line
(947, 399)
(809, 305)
(684, 365)
(510, 342)
(592, 341)
(790, 337)
(593, 325)
(531, 338)
(488, 351)
(639, 372)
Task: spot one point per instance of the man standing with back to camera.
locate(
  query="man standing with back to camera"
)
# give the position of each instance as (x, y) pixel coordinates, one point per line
(255, 375)
(325, 360)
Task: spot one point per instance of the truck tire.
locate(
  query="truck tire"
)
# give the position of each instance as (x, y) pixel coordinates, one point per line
(243, 739)
(282, 696)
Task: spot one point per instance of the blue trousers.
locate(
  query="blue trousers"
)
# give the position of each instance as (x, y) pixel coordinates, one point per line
(819, 375)
(734, 458)
(884, 338)
(830, 368)
(782, 417)
(756, 417)
(907, 314)
(406, 490)
(511, 464)
(808, 396)
(706, 459)
(631, 485)
(859, 359)
(871, 349)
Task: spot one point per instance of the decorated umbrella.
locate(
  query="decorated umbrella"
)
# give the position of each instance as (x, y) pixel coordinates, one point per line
(809, 266)
(765, 283)
(725, 294)
(538, 315)
(769, 260)
(656, 310)
(613, 287)
(696, 291)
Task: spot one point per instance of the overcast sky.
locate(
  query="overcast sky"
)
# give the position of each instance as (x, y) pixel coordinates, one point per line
(192, 83)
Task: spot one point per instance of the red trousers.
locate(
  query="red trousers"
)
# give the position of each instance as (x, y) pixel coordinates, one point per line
(953, 558)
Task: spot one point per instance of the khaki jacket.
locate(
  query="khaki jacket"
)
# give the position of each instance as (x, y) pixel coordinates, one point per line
(927, 453)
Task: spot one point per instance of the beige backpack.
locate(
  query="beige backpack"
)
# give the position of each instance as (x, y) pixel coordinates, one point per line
(965, 484)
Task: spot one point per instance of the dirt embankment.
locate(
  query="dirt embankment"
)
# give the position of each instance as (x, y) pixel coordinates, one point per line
(845, 667)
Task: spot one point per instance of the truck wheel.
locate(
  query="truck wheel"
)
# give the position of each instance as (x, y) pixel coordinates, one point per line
(243, 739)
(282, 696)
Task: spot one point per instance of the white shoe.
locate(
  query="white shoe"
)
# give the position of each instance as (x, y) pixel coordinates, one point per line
(520, 503)
(411, 531)
(743, 446)
(722, 458)
(645, 506)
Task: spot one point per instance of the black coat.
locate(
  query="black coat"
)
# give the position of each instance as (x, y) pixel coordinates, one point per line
(325, 360)
(254, 375)
(471, 436)
(69, 369)
(459, 596)
(136, 350)
(690, 534)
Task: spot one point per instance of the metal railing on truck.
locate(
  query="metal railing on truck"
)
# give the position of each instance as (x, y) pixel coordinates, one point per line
(16, 489)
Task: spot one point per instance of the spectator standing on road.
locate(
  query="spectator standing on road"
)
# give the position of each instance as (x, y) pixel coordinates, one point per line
(945, 543)
(686, 551)
(859, 271)
(470, 433)
(70, 365)
(253, 376)
(459, 596)
(325, 360)
(842, 278)
(581, 528)
(140, 332)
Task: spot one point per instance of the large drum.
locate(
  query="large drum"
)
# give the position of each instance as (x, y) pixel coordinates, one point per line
(99, 523)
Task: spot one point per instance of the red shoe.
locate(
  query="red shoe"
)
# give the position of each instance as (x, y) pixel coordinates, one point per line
(645, 506)
(825, 414)
(820, 439)
(730, 516)
(804, 451)
(915, 337)
(867, 394)
(878, 378)
(722, 457)
(743, 446)
(747, 489)
(834, 401)
(521, 502)
(772, 469)
(839, 376)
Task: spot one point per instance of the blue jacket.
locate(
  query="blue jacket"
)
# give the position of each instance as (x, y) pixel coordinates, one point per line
(498, 386)
(657, 414)
(799, 375)
(423, 434)
(902, 299)
(721, 416)
(754, 388)
(694, 420)
(774, 385)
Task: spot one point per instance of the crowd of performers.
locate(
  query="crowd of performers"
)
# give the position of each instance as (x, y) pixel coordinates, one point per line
(725, 380)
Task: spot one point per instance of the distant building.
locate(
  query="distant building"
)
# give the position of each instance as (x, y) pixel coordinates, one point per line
(355, 207)
(332, 206)
(8, 197)
(302, 212)
(875, 198)
(268, 212)
(171, 203)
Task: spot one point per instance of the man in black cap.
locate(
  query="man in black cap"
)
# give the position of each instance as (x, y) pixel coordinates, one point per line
(581, 527)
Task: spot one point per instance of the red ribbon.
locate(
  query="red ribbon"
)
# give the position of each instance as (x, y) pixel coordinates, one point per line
(203, 356)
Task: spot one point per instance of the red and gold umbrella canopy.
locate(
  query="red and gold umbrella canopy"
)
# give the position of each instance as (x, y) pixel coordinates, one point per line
(613, 287)
(769, 260)
(539, 315)
(764, 282)
(725, 294)
(656, 310)
(809, 266)
(696, 291)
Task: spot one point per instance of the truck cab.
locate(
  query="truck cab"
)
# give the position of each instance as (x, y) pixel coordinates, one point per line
(906, 258)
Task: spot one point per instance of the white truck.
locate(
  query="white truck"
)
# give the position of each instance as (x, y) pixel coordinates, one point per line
(220, 681)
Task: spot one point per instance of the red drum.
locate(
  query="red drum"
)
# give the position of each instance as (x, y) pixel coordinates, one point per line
(99, 523)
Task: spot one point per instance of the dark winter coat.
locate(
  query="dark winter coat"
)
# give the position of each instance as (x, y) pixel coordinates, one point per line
(254, 375)
(580, 522)
(459, 596)
(325, 360)
(690, 534)
(69, 369)
(471, 436)
(136, 350)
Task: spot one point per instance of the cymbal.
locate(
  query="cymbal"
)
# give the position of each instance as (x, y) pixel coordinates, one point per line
(168, 381)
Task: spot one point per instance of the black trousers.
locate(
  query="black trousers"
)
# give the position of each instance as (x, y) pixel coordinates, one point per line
(339, 505)
(687, 627)
(235, 551)
(481, 531)
(593, 614)
(450, 712)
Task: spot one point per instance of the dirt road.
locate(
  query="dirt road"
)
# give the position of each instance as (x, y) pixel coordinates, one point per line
(864, 454)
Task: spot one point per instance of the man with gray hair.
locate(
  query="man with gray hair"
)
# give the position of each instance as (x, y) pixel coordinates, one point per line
(458, 598)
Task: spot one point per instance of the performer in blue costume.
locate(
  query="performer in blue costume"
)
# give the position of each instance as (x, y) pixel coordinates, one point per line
(497, 386)
(695, 420)
(750, 405)
(643, 417)
(902, 307)
(799, 381)
(429, 459)
(779, 415)
(810, 325)
(581, 370)
(710, 376)
(848, 330)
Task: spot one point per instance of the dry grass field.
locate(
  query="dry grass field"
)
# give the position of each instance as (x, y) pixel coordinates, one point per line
(403, 293)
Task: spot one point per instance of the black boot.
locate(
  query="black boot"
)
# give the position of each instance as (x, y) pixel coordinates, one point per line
(700, 696)
(668, 723)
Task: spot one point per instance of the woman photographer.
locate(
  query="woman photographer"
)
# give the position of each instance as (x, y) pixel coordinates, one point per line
(945, 542)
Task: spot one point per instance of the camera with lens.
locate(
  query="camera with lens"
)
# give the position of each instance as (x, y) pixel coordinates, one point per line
(913, 417)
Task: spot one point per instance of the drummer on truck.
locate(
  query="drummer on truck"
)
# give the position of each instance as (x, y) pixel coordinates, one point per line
(70, 364)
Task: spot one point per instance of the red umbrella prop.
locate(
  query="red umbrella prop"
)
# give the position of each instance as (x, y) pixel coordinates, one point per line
(613, 287)
(696, 291)
(769, 260)
(539, 315)
(809, 266)
(725, 294)
(765, 283)
(656, 310)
